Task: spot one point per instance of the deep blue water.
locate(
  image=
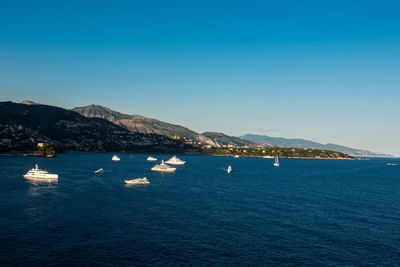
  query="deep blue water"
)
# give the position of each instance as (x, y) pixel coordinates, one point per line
(306, 212)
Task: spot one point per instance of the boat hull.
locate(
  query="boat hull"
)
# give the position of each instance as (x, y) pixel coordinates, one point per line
(160, 170)
(47, 177)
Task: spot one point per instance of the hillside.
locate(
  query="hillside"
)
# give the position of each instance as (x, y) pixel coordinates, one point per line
(22, 126)
(140, 124)
(221, 139)
(302, 143)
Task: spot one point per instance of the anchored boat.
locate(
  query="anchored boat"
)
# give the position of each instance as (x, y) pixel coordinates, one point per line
(175, 161)
(138, 181)
(163, 168)
(38, 174)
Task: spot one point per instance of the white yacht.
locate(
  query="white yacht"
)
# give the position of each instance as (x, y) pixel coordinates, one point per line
(150, 158)
(138, 181)
(38, 174)
(175, 161)
(236, 156)
(268, 157)
(99, 170)
(276, 163)
(163, 168)
(229, 170)
(115, 158)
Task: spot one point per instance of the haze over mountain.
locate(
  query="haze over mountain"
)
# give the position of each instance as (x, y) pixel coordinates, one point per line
(302, 143)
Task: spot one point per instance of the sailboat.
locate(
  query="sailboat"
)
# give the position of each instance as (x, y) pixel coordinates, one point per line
(276, 164)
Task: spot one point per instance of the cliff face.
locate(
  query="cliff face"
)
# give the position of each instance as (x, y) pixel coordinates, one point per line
(22, 126)
(140, 124)
(135, 123)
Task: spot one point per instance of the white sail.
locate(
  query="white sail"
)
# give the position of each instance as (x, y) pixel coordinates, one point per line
(276, 164)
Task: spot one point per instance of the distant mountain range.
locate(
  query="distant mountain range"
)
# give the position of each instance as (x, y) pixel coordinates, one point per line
(302, 143)
(22, 126)
(98, 128)
(140, 124)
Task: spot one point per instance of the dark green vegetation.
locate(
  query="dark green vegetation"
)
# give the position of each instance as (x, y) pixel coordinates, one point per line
(22, 126)
(47, 150)
(302, 143)
(283, 152)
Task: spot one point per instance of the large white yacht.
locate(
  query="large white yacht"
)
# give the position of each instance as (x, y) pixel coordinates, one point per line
(115, 158)
(38, 174)
(138, 181)
(175, 161)
(150, 158)
(163, 168)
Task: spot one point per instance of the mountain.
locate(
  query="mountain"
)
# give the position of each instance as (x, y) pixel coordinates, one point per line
(302, 143)
(140, 124)
(221, 139)
(22, 126)
(135, 123)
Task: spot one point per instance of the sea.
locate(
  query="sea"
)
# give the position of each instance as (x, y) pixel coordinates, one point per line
(306, 212)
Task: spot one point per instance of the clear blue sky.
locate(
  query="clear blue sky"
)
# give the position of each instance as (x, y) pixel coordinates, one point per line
(328, 71)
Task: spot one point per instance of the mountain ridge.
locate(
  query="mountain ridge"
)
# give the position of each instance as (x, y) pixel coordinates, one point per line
(22, 126)
(303, 143)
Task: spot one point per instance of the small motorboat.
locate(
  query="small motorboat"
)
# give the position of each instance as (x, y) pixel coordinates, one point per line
(229, 170)
(115, 158)
(99, 170)
(150, 158)
(236, 156)
(138, 181)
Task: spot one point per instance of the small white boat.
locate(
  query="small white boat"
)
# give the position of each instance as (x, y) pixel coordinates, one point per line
(99, 170)
(276, 163)
(175, 161)
(163, 168)
(38, 174)
(268, 157)
(138, 181)
(391, 164)
(229, 170)
(115, 158)
(236, 156)
(150, 158)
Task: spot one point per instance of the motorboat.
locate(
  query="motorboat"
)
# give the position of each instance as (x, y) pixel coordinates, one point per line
(38, 174)
(150, 158)
(229, 170)
(236, 156)
(138, 181)
(115, 158)
(163, 168)
(276, 163)
(99, 170)
(175, 161)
